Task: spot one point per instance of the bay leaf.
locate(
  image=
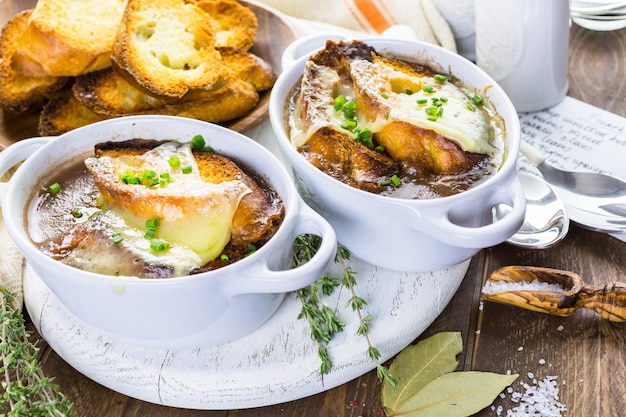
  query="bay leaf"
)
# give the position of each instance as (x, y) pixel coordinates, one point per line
(418, 365)
(456, 394)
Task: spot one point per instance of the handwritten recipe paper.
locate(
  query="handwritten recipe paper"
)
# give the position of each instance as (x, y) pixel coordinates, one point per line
(577, 136)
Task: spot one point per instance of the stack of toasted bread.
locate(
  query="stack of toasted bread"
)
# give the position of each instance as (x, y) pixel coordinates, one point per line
(81, 61)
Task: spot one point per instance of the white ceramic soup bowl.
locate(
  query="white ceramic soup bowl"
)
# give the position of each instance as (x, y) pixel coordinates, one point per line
(186, 312)
(408, 235)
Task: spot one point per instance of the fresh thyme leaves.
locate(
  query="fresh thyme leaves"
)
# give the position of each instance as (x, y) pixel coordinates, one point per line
(323, 320)
(26, 390)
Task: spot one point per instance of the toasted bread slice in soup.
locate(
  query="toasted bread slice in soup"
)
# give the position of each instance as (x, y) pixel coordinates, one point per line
(18, 92)
(68, 37)
(168, 47)
(258, 211)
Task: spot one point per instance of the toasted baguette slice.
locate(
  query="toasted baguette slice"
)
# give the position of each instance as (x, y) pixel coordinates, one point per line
(18, 92)
(235, 25)
(64, 113)
(68, 37)
(167, 46)
(108, 93)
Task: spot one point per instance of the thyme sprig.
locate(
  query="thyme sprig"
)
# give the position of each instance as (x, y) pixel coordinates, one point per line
(323, 320)
(26, 390)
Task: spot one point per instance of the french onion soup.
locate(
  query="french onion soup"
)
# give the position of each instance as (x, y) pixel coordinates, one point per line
(153, 209)
(390, 126)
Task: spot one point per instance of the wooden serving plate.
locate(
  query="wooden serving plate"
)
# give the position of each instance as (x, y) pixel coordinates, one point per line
(273, 36)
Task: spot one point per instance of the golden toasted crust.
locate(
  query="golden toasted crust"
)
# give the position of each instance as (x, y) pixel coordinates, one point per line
(18, 92)
(235, 25)
(68, 37)
(108, 93)
(167, 47)
(64, 113)
(259, 213)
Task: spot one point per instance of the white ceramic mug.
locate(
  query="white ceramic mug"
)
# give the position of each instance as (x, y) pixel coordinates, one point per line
(184, 312)
(523, 45)
(403, 234)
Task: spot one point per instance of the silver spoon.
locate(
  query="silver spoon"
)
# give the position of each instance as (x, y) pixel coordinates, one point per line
(593, 200)
(545, 223)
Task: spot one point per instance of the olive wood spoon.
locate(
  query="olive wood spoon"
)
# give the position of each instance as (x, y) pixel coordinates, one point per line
(525, 287)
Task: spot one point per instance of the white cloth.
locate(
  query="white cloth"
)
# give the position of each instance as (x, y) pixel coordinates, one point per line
(365, 16)
(11, 264)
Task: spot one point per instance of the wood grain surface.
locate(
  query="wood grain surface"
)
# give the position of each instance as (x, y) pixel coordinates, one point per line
(586, 353)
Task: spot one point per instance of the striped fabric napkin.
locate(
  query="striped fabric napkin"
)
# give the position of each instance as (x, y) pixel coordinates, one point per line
(367, 16)
(11, 263)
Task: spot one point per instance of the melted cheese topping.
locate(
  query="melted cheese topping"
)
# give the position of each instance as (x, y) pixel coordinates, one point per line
(384, 89)
(195, 216)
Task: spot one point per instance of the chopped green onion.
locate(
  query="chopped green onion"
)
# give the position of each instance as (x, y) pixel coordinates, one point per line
(174, 161)
(199, 143)
(364, 136)
(186, 169)
(251, 249)
(422, 102)
(224, 257)
(54, 188)
(116, 238)
(470, 107)
(428, 89)
(396, 181)
(385, 95)
(385, 182)
(77, 213)
(339, 102)
(478, 100)
(440, 78)
(151, 228)
(443, 99)
(379, 148)
(409, 91)
(157, 245)
(432, 118)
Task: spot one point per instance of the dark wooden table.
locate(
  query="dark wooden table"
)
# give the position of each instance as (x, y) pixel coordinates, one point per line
(586, 353)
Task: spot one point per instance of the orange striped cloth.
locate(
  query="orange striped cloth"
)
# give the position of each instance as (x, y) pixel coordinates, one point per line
(367, 16)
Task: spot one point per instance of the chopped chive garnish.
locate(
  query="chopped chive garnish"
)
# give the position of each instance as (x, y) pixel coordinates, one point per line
(251, 249)
(385, 95)
(151, 228)
(395, 181)
(379, 148)
(428, 89)
(364, 136)
(186, 169)
(157, 245)
(470, 107)
(116, 238)
(385, 182)
(409, 91)
(443, 99)
(432, 118)
(174, 161)
(422, 102)
(54, 188)
(440, 78)
(478, 100)
(199, 143)
(224, 257)
(77, 213)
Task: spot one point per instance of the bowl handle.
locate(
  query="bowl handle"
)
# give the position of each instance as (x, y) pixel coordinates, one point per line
(261, 279)
(445, 228)
(16, 153)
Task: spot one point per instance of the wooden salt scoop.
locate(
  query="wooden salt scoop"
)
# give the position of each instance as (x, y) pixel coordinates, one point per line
(554, 292)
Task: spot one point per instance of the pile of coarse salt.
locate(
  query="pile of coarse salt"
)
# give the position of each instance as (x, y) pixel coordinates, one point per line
(539, 399)
(492, 287)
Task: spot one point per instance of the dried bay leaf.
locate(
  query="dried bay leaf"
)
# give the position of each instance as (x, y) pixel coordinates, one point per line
(456, 394)
(418, 365)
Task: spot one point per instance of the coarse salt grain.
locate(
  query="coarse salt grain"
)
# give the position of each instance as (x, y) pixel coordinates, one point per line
(539, 399)
(560, 328)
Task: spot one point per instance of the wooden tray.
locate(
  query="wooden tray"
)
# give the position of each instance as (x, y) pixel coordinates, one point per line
(273, 36)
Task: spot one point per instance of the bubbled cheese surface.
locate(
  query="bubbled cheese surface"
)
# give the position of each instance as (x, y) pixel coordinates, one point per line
(195, 216)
